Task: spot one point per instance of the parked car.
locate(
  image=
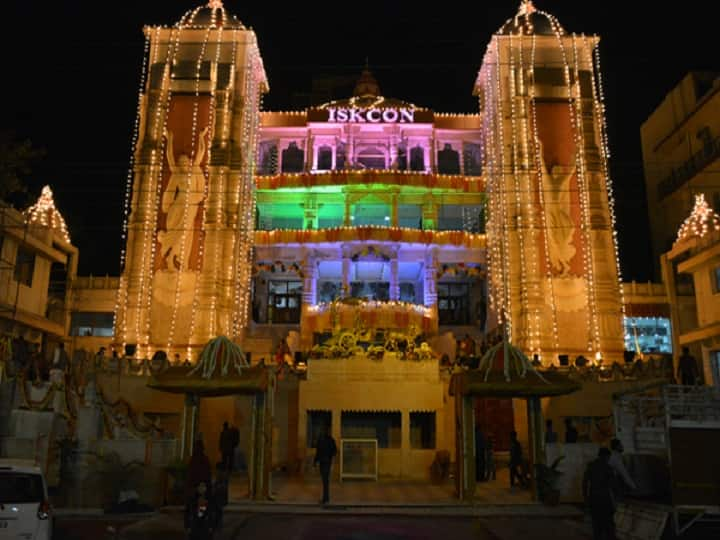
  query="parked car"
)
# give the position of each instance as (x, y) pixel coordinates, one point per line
(25, 511)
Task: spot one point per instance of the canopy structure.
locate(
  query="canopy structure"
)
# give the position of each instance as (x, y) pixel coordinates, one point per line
(504, 371)
(223, 370)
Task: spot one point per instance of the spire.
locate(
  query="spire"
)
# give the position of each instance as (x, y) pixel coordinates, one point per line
(44, 214)
(366, 85)
(526, 7)
(215, 4)
(701, 220)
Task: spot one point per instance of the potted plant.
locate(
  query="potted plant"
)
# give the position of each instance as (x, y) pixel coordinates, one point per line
(548, 480)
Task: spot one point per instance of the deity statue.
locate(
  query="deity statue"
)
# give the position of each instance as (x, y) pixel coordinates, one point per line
(181, 201)
(560, 225)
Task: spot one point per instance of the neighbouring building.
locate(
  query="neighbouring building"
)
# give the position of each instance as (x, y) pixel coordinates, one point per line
(696, 254)
(37, 267)
(681, 154)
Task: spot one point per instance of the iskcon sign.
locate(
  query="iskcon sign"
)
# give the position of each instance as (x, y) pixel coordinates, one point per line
(373, 116)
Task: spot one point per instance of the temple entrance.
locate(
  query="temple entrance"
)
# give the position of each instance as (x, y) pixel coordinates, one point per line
(495, 418)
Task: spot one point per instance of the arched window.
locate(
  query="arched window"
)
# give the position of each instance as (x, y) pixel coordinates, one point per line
(293, 158)
(448, 160)
(372, 157)
(417, 158)
(324, 158)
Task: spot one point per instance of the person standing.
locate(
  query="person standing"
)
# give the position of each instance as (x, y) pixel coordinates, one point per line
(325, 451)
(551, 436)
(198, 469)
(687, 371)
(234, 443)
(479, 455)
(226, 448)
(571, 432)
(516, 461)
(489, 460)
(597, 490)
(59, 364)
(623, 480)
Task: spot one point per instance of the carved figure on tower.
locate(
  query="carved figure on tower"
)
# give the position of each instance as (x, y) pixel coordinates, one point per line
(181, 201)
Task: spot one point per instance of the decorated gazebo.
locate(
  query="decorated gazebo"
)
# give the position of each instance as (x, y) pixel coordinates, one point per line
(223, 370)
(503, 372)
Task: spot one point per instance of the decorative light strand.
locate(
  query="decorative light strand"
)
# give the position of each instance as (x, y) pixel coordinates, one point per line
(45, 214)
(121, 299)
(700, 222)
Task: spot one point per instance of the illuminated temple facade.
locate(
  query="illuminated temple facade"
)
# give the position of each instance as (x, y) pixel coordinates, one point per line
(369, 233)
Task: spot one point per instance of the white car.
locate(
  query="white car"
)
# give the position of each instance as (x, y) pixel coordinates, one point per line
(25, 511)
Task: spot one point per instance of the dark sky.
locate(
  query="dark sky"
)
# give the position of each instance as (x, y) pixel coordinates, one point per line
(74, 69)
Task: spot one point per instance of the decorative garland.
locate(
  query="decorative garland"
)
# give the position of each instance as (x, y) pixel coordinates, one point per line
(513, 359)
(460, 270)
(279, 267)
(370, 233)
(467, 184)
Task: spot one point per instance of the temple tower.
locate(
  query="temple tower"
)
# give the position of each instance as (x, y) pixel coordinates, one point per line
(190, 195)
(554, 271)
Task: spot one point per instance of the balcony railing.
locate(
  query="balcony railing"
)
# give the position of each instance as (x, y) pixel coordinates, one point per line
(696, 163)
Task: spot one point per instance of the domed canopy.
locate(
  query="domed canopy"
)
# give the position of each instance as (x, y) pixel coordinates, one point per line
(212, 15)
(505, 371)
(529, 21)
(700, 222)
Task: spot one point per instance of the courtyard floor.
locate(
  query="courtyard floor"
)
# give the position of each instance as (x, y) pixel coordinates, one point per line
(308, 490)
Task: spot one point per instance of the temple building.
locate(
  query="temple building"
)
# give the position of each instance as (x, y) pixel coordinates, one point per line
(370, 240)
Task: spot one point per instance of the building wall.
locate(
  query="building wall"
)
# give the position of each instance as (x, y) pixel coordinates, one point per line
(389, 385)
(686, 123)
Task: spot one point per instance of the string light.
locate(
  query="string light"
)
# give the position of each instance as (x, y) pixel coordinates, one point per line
(700, 222)
(145, 186)
(513, 268)
(45, 214)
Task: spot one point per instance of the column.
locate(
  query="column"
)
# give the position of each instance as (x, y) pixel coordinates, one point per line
(394, 210)
(429, 215)
(334, 156)
(405, 447)
(309, 270)
(536, 444)
(394, 280)
(189, 425)
(347, 221)
(346, 276)
(429, 287)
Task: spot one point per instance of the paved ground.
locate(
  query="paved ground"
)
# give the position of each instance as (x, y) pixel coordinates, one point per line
(308, 489)
(330, 527)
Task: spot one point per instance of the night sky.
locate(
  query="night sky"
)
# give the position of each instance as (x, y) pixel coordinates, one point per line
(74, 68)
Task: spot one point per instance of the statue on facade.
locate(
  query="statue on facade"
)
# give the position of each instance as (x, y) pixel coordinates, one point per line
(181, 201)
(560, 225)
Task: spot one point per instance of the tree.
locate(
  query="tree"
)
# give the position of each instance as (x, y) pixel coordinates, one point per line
(16, 158)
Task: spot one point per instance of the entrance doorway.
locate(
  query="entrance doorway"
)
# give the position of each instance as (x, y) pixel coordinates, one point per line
(495, 418)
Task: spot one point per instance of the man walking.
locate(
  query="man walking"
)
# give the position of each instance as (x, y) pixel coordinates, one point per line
(226, 447)
(234, 443)
(597, 491)
(325, 451)
(687, 368)
(516, 461)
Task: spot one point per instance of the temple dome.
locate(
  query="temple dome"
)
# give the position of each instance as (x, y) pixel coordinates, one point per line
(366, 95)
(530, 21)
(211, 15)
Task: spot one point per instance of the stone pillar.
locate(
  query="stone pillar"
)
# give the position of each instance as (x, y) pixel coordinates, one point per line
(394, 210)
(309, 269)
(536, 440)
(430, 284)
(347, 222)
(346, 276)
(260, 447)
(429, 215)
(191, 411)
(404, 441)
(394, 279)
